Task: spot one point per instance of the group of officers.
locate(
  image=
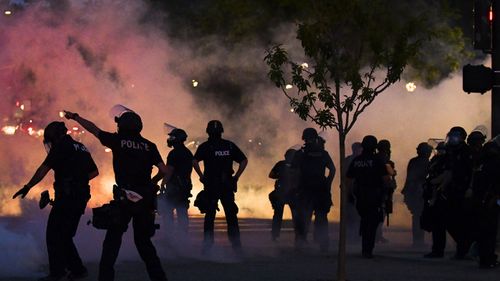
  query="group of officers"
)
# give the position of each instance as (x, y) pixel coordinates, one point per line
(135, 194)
(303, 181)
(457, 191)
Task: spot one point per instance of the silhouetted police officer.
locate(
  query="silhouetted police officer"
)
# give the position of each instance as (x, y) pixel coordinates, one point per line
(219, 181)
(73, 169)
(370, 181)
(352, 216)
(433, 216)
(314, 189)
(460, 165)
(416, 173)
(486, 191)
(384, 152)
(176, 185)
(284, 192)
(133, 159)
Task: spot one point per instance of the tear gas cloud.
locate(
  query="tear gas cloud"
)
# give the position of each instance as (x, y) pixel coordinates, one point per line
(87, 56)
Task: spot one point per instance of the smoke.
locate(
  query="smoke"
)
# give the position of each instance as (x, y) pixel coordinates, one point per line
(87, 56)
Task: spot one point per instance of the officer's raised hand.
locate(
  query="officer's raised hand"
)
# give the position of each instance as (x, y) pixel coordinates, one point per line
(23, 192)
(70, 115)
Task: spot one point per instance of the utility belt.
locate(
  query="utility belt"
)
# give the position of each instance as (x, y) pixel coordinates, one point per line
(71, 189)
(177, 189)
(221, 183)
(126, 202)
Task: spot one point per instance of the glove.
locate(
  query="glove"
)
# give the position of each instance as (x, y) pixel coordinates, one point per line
(70, 115)
(23, 192)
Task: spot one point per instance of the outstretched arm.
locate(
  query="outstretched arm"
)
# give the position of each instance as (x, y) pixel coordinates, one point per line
(37, 177)
(88, 125)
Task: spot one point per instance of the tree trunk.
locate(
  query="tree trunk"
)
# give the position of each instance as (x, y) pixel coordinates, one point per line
(341, 263)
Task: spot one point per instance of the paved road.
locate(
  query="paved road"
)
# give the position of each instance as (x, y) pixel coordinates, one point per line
(266, 260)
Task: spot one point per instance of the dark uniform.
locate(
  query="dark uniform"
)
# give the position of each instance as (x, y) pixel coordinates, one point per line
(72, 164)
(368, 172)
(433, 217)
(416, 173)
(218, 156)
(133, 159)
(351, 215)
(458, 216)
(487, 193)
(314, 194)
(284, 192)
(178, 189)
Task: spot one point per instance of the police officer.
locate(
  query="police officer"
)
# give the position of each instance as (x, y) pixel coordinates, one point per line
(176, 186)
(352, 217)
(460, 165)
(487, 192)
(412, 191)
(433, 217)
(314, 189)
(133, 159)
(384, 152)
(370, 177)
(73, 169)
(284, 191)
(219, 182)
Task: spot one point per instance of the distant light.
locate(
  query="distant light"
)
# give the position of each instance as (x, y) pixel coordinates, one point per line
(259, 143)
(133, 85)
(288, 86)
(17, 103)
(39, 133)
(411, 87)
(22, 107)
(304, 65)
(31, 121)
(107, 150)
(490, 14)
(250, 140)
(31, 131)
(61, 114)
(195, 83)
(292, 110)
(75, 128)
(9, 130)
(8, 13)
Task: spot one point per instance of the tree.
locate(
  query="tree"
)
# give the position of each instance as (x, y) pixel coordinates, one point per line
(358, 49)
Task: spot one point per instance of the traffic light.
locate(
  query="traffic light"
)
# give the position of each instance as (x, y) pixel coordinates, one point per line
(483, 19)
(477, 79)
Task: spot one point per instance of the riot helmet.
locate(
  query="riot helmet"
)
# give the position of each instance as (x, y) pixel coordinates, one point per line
(309, 135)
(53, 133)
(384, 146)
(476, 138)
(129, 122)
(441, 148)
(215, 128)
(424, 150)
(456, 136)
(369, 144)
(176, 136)
(289, 154)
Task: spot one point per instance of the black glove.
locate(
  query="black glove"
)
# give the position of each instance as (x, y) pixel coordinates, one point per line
(70, 115)
(23, 192)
